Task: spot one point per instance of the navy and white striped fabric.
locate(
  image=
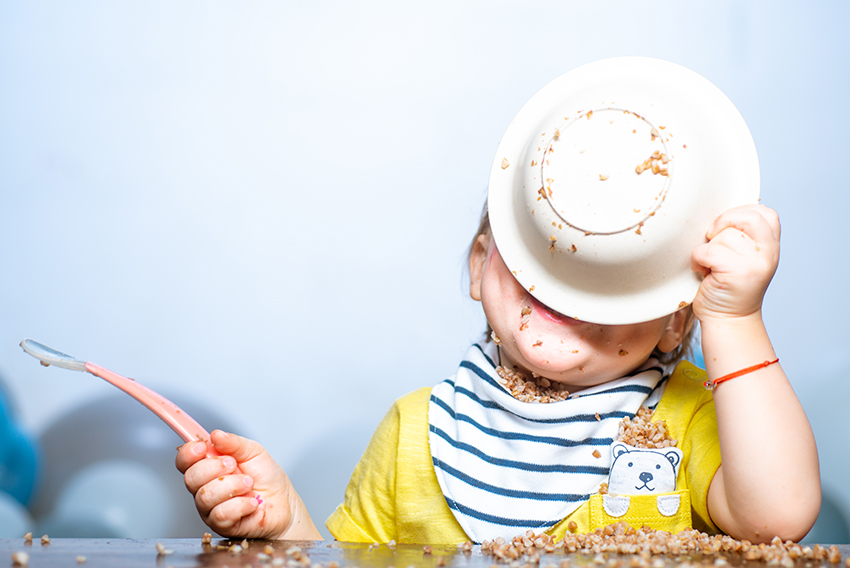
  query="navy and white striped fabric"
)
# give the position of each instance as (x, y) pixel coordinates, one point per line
(506, 466)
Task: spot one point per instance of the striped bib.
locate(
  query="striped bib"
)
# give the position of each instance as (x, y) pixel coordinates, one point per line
(506, 466)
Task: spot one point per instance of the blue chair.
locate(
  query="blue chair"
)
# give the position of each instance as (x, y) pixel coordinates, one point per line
(20, 463)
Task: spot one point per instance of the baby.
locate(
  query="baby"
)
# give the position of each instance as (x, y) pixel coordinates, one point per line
(474, 458)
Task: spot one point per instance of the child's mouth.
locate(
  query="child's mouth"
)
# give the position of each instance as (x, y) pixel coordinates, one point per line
(551, 315)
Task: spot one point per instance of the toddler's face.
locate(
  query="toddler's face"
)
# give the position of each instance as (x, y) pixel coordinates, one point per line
(536, 339)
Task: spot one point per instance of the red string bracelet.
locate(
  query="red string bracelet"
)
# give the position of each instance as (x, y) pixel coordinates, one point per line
(710, 385)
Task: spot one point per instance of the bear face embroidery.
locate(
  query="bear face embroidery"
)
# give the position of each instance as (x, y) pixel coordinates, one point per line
(637, 471)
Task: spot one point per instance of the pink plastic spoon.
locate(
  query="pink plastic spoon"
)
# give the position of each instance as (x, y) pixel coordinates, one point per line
(183, 424)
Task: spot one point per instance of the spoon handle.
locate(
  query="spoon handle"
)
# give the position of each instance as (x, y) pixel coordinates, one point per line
(184, 425)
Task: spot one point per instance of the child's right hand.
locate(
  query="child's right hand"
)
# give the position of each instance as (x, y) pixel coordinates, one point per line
(259, 502)
(737, 261)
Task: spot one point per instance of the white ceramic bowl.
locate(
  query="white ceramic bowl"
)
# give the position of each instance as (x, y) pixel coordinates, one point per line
(579, 226)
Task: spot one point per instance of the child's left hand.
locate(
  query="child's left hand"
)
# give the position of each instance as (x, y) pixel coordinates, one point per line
(737, 262)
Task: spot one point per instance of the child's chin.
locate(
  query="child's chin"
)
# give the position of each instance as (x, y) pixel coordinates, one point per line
(547, 361)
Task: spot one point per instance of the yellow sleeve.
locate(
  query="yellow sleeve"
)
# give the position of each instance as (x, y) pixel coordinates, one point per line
(393, 493)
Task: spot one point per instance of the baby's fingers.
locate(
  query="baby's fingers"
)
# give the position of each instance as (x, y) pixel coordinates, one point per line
(701, 259)
(222, 490)
(204, 471)
(189, 454)
(758, 222)
(733, 254)
(240, 448)
(231, 513)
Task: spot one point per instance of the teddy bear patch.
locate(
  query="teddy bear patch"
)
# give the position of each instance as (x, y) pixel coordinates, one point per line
(642, 471)
(637, 471)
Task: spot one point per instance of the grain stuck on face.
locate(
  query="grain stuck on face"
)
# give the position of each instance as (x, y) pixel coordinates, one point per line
(525, 316)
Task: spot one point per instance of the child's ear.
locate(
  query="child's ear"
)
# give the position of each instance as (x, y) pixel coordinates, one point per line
(680, 323)
(476, 265)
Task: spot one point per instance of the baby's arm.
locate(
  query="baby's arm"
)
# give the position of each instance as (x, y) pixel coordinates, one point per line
(228, 503)
(769, 481)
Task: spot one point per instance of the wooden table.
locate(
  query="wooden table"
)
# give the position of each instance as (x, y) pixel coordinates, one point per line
(182, 553)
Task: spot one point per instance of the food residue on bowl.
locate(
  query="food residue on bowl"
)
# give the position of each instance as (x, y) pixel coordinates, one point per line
(656, 163)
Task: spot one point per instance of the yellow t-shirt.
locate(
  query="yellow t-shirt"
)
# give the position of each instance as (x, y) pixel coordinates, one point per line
(394, 494)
